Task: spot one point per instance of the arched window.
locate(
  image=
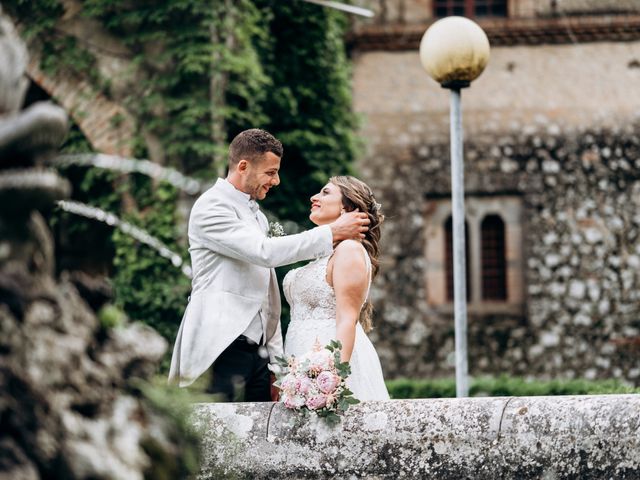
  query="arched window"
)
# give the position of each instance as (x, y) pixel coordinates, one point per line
(494, 265)
(470, 8)
(494, 256)
(448, 246)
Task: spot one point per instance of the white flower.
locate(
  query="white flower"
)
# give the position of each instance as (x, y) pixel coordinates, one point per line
(275, 230)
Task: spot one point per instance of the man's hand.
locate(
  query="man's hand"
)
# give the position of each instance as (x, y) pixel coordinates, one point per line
(350, 225)
(275, 391)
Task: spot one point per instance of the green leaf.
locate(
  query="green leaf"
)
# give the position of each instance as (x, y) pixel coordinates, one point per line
(282, 361)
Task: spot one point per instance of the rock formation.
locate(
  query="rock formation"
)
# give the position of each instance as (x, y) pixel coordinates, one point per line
(71, 390)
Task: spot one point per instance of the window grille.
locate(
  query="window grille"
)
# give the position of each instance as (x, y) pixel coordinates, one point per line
(493, 254)
(470, 8)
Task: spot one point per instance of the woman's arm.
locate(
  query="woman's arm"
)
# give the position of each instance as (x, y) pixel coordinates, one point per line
(350, 281)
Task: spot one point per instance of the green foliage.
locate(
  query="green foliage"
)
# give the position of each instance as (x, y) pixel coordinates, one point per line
(42, 17)
(59, 52)
(77, 239)
(182, 47)
(343, 368)
(111, 316)
(203, 72)
(147, 286)
(176, 405)
(64, 53)
(504, 386)
(309, 106)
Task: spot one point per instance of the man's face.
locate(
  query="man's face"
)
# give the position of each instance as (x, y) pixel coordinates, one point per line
(261, 176)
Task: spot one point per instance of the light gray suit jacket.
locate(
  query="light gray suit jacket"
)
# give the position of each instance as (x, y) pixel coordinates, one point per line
(232, 260)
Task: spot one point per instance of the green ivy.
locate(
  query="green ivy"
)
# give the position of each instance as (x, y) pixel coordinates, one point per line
(177, 104)
(204, 71)
(147, 286)
(42, 16)
(309, 107)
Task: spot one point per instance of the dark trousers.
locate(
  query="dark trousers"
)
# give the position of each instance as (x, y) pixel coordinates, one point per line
(240, 373)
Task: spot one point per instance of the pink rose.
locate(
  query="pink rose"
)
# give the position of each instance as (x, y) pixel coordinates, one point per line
(303, 385)
(316, 402)
(319, 361)
(289, 383)
(327, 381)
(293, 401)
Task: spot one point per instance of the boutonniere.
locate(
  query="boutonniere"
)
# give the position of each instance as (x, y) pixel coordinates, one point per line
(275, 230)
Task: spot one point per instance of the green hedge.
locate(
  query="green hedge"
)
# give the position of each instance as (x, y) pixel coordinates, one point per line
(504, 386)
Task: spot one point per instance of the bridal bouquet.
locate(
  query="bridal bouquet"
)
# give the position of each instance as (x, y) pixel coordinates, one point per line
(315, 382)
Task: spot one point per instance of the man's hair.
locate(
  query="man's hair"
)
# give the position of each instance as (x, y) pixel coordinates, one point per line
(252, 145)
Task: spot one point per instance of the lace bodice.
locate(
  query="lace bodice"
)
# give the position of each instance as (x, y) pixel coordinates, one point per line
(312, 306)
(310, 296)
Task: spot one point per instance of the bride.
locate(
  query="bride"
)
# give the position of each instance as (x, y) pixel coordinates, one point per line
(328, 297)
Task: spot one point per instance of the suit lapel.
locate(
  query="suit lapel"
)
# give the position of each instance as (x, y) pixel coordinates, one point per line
(242, 207)
(262, 221)
(273, 297)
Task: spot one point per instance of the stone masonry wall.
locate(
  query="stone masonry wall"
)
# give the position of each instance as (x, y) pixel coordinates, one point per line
(582, 437)
(581, 220)
(573, 85)
(558, 127)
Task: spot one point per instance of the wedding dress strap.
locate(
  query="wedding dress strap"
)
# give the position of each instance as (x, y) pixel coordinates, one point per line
(367, 260)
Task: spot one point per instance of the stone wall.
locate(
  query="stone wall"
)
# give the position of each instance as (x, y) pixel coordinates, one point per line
(588, 437)
(572, 85)
(554, 125)
(581, 197)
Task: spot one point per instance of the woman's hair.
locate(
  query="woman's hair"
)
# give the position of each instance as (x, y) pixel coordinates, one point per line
(357, 195)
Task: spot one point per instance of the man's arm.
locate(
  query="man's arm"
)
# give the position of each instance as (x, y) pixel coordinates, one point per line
(275, 348)
(219, 229)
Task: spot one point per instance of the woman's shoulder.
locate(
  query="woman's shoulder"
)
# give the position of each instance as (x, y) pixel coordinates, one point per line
(350, 253)
(350, 245)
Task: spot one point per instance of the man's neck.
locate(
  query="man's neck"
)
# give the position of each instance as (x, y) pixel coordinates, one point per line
(235, 181)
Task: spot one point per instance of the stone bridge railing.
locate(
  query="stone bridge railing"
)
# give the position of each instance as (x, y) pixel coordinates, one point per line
(576, 437)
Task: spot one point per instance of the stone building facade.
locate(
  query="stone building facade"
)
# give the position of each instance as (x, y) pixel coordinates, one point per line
(552, 182)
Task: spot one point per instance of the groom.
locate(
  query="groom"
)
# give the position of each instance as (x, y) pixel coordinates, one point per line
(232, 321)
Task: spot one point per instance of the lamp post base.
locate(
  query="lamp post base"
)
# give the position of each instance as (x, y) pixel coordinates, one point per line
(455, 84)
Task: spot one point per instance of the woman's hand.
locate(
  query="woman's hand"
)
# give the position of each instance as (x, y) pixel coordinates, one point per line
(275, 391)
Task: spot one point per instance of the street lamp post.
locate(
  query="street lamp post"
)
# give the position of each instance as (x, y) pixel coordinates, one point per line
(454, 51)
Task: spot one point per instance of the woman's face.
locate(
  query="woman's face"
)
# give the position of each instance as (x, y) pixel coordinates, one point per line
(326, 206)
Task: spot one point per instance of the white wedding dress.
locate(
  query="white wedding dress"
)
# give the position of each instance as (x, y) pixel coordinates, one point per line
(313, 317)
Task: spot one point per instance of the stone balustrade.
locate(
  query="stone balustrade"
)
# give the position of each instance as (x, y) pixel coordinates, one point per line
(585, 437)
